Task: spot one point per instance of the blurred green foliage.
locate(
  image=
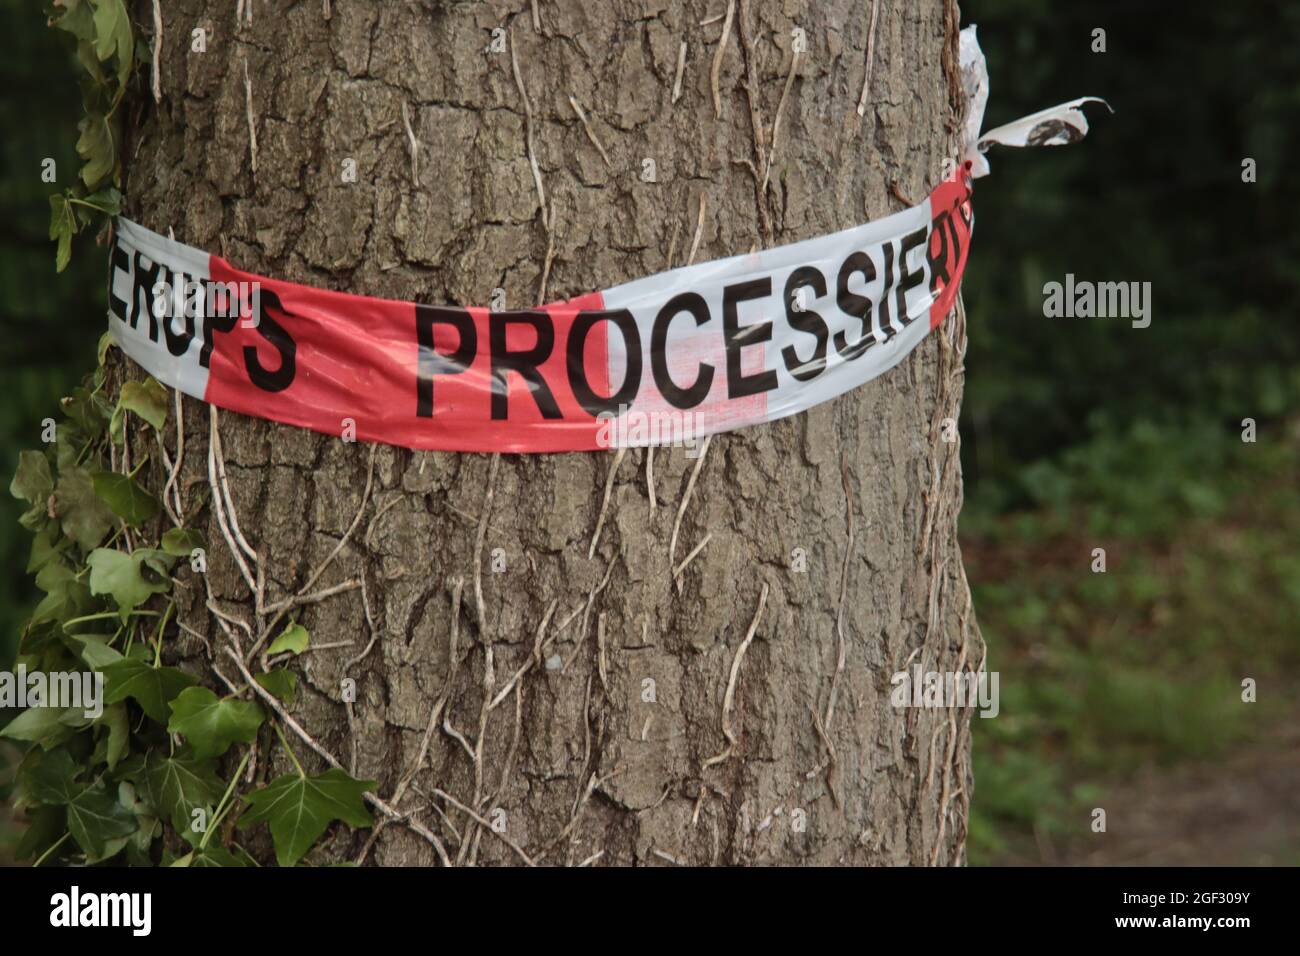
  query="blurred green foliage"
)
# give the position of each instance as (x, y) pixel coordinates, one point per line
(51, 324)
(1086, 433)
(1102, 673)
(1154, 194)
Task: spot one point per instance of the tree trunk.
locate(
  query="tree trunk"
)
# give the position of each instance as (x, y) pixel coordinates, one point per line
(616, 743)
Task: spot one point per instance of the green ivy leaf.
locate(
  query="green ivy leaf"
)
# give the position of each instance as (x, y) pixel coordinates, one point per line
(55, 577)
(63, 226)
(113, 35)
(77, 18)
(299, 808)
(293, 639)
(181, 541)
(32, 481)
(95, 146)
(84, 517)
(94, 650)
(148, 825)
(109, 202)
(40, 725)
(150, 687)
(65, 595)
(112, 847)
(89, 62)
(45, 826)
(96, 820)
(75, 717)
(177, 785)
(47, 546)
(89, 411)
(210, 724)
(95, 817)
(129, 578)
(128, 500)
(148, 399)
(281, 683)
(119, 734)
(208, 856)
(50, 778)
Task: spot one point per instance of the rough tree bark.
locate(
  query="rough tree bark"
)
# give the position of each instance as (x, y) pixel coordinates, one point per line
(604, 745)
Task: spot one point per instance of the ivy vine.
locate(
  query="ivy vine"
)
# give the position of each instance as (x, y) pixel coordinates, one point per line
(107, 53)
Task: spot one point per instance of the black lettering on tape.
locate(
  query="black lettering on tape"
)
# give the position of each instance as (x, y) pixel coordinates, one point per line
(858, 306)
(938, 257)
(956, 236)
(429, 362)
(887, 329)
(276, 334)
(678, 397)
(524, 362)
(804, 319)
(908, 278)
(142, 285)
(737, 337)
(582, 325)
(119, 261)
(212, 324)
(178, 343)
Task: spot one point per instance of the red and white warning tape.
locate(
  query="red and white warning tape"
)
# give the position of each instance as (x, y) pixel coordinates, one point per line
(662, 360)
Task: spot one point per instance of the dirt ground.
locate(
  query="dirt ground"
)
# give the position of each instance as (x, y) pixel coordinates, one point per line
(1242, 810)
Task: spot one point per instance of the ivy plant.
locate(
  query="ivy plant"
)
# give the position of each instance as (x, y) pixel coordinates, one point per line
(107, 53)
(157, 777)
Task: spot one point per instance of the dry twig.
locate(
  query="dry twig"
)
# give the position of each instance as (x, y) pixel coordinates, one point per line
(157, 50)
(528, 861)
(686, 498)
(776, 120)
(248, 108)
(479, 535)
(415, 147)
(604, 504)
(217, 501)
(699, 232)
(729, 697)
(871, 53)
(303, 596)
(591, 134)
(528, 134)
(681, 69)
(716, 71)
(677, 574)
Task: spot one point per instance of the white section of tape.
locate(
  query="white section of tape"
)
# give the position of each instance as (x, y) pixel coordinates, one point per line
(144, 248)
(827, 254)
